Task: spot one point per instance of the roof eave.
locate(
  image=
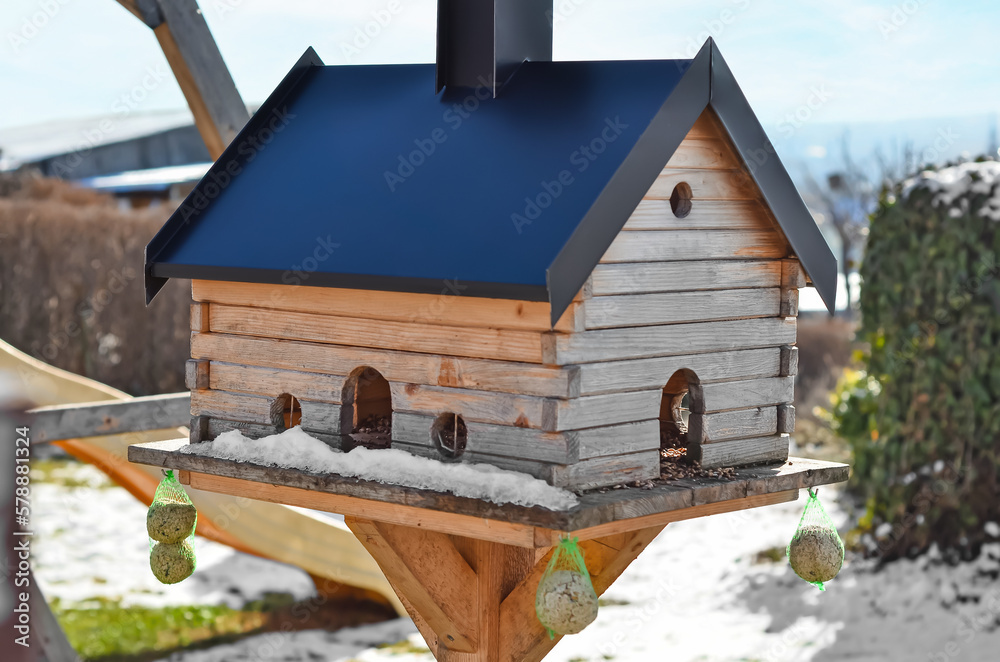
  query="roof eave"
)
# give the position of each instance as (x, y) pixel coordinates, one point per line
(637, 173)
(235, 154)
(761, 160)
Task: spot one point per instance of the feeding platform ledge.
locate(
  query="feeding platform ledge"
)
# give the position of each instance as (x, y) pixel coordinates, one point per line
(596, 515)
(467, 570)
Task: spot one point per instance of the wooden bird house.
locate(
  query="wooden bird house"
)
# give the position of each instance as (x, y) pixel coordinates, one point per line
(558, 268)
(604, 257)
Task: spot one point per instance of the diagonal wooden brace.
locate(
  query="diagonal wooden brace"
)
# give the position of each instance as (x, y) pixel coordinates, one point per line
(429, 575)
(474, 600)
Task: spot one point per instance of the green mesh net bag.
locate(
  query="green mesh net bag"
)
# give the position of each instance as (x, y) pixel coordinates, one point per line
(816, 551)
(170, 524)
(566, 602)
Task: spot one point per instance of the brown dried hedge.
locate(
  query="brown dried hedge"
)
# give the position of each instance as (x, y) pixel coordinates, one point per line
(71, 291)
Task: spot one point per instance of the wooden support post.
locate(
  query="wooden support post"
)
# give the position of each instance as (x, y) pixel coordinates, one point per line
(194, 57)
(474, 600)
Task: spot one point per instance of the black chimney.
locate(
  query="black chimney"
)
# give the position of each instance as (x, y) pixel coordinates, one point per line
(481, 42)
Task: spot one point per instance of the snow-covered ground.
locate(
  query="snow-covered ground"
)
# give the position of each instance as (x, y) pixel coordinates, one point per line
(90, 541)
(696, 594)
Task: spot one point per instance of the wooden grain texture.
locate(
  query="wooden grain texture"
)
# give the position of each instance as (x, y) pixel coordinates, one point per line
(789, 306)
(523, 411)
(680, 276)
(509, 524)
(426, 569)
(525, 378)
(793, 276)
(671, 245)
(320, 416)
(608, 470)
(607, 409)
(526, 640)
(199, 429)
(652, 373)
(275, 381)
(694, 512)
(608, 312)
(525, 443)
(46, 635)
(753, 422)
(789, 361)
(732, 184)
(708, 153)
(447, 308)
(94, 419)
(617, 439)
(199, 316)
(196, 374)
(741, 451)
(786, 419)
(674, 339)
(233, 406)
(216, 426)
(504, 345)
(654, 214)
(201, 74)
(739, 394)
(706, 126)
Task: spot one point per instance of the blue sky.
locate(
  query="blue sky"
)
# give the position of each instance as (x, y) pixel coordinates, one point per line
(812, 60)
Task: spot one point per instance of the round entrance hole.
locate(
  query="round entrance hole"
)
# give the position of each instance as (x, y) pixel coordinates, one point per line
(449, 434)
(680, 200)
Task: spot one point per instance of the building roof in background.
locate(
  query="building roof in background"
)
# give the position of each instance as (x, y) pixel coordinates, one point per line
(149, 180)
(517, 196)
(28, 144)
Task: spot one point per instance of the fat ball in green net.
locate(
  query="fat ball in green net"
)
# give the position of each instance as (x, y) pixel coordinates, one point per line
(171, 517)
(566, 602)
(816, 551)
(172, 563)
(170, 523)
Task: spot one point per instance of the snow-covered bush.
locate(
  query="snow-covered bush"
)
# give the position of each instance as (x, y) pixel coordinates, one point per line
(925, 424)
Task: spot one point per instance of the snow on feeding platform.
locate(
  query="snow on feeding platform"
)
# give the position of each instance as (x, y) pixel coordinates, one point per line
(294, 449)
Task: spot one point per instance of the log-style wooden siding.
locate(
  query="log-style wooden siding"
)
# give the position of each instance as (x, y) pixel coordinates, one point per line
(666, 340)
(656, 214)
(678, 245)
(742, 451)
(638, 374)
(523, 443)
(736, 424)
(649, 277)
(677, 307)
(732, 184)
(476, 342)
(448, 308)
(704, 153)
(252, 379)
(723, 396)
(405, 367)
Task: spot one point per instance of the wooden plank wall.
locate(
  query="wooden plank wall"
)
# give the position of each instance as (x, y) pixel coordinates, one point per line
(713, 292)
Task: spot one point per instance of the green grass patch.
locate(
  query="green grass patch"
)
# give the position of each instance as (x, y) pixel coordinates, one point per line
(104, 630)
(68, 472)
(404, 647)
(772, 555)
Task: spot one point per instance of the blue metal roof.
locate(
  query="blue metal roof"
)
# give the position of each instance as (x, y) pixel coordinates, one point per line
(360, 176)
